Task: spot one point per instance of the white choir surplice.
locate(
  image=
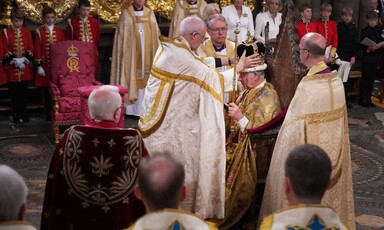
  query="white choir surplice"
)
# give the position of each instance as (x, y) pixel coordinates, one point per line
(135, 108)
(183, 114)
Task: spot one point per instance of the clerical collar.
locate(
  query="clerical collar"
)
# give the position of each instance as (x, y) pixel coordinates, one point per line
(137, 9)
(219, 49)
(324, 20)
(305, 20)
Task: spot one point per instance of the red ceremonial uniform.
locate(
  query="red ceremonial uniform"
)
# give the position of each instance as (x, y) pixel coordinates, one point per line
(43, 41)
(3, 77)
(328, 29)
(304, 28)
(18, 45)
(88, 31)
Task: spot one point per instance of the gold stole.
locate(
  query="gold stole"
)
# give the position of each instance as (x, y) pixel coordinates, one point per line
(210, 51)
(191, 11)
(146, 21)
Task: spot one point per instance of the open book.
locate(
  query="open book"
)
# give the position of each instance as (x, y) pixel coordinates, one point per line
(368, 42)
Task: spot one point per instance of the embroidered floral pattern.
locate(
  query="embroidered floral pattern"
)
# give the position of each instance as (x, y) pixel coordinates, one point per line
(113, 163)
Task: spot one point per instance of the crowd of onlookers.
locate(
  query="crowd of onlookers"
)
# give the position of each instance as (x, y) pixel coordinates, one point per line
(24, 60)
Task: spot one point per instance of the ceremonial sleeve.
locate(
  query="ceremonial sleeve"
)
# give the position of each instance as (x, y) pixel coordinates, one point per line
(96, 31)
(335, 39)
(259, 23)
(228, 80)
(38, 55)
(210, 61)
(1, 48)
(251, 27)
(242, 123)
(28, 54)
(69, 33)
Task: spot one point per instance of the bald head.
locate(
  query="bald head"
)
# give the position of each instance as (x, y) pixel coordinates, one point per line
(161, 180)
(312, 48)
(315, 43)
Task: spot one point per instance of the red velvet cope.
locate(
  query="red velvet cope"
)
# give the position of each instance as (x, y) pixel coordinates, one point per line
(91, 179)
(276, 120)
(105, 124)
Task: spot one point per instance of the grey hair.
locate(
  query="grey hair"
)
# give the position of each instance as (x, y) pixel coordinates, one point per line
(216, 16)
(208, 10)
(103, 102)
(191, 24)
(13, 193)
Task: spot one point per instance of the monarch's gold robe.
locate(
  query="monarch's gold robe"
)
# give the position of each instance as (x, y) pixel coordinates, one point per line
(127, 63)
(259, 105)
(316, 115)
(182, 10)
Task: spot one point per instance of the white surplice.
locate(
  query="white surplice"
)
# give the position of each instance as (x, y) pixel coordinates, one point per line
(183, 113)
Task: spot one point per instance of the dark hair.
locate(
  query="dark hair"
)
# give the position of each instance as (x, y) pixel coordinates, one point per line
(304, 6)
(371, 15)
(308, 168)
(48, 10)
(84, 3)
(166, 192)
(314, 49)
(16, 13)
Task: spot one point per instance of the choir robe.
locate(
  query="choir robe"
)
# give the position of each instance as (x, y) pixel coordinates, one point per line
(43, 41)
(76, 31)
(18, 47)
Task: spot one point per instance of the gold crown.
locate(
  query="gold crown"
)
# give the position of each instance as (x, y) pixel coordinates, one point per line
(250, 46)
(72, 51)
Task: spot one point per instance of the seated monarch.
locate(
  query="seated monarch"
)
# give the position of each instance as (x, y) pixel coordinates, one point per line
(254, 107)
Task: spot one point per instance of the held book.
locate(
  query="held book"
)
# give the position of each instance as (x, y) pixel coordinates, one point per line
(368, 42)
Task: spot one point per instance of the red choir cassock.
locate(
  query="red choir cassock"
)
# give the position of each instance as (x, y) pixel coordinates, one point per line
(17, 46)
(3, 77)
(305, 27)
(89, 31)
(328, 29)
(43, 41)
